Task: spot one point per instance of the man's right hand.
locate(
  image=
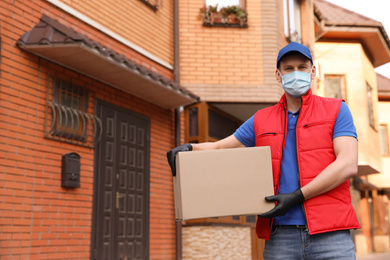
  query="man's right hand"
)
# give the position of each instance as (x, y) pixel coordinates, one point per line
(171, 155)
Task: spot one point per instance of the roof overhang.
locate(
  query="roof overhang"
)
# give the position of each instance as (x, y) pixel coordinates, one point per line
(383, 84)
(371, 37)
(365, 169)
(90, 58)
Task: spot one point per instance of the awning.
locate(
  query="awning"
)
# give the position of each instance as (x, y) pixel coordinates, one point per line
(53, 41)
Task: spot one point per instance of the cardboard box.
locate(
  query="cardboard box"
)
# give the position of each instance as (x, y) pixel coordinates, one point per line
(225, 182)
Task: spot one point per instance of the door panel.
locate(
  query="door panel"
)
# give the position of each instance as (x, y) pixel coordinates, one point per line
(121, 207)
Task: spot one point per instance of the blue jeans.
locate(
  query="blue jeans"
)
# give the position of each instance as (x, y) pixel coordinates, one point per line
(291, 242)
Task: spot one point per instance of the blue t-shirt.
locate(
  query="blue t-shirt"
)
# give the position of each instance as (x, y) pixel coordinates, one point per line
(289, 181)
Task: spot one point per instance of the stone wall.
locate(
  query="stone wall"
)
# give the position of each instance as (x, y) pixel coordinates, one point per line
(216, 242)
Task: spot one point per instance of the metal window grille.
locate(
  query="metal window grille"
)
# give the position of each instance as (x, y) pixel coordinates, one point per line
(236, 217)
(67, 118)
(250, 219)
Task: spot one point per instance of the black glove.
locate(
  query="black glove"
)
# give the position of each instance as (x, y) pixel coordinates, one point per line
(171, 155)
(285, 202)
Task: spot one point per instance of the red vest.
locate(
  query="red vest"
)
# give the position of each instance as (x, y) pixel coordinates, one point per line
(314, 134)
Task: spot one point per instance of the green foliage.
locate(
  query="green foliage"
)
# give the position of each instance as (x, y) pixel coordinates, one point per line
(224, 12)
(213, 9)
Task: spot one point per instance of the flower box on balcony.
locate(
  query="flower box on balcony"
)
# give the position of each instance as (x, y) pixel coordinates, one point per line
(231, 16)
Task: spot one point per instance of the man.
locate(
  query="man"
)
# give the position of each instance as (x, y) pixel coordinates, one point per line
(314, 152)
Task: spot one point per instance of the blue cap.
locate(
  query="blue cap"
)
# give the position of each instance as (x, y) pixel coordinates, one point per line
(294, 47)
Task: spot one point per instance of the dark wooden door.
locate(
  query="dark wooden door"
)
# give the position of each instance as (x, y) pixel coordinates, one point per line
(121, 207)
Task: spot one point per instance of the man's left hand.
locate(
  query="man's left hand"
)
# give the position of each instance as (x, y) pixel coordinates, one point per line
(285, 202)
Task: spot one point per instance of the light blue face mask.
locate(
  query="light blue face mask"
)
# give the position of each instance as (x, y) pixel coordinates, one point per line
(296, 83)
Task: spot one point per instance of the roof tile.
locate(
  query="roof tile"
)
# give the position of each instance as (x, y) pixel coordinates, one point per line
(383, 84)
(335, 14)
(50, 32)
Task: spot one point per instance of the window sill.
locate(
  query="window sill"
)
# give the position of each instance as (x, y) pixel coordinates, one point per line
(230, 25)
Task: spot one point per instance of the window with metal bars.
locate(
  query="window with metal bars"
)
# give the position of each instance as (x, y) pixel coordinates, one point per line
(68, 114)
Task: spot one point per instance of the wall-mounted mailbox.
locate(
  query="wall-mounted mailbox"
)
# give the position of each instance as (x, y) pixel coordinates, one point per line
(70, 176)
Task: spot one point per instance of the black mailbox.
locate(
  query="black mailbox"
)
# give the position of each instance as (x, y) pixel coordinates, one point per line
(70, 176)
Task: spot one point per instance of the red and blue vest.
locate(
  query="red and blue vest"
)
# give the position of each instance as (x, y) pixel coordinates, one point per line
(330, 211)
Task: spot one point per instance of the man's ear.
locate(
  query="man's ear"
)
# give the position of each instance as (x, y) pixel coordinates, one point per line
(313, 72)
(278, 76)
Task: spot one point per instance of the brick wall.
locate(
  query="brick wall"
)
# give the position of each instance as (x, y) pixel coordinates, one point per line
(39, 219)
(134, 21)
(236, 64)
(229, 64)
(307, 23)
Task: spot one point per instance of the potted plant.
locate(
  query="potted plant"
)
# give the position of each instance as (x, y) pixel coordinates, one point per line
(242, 16)
(204, 13)
(215, 16)
(232, 13)
(226, 15)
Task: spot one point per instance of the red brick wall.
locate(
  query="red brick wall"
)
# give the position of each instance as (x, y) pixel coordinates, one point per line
(218, 60)
(236, 64)
(39, 219)
(134, 21)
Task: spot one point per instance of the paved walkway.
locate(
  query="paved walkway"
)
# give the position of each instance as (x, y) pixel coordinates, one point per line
(375, 256)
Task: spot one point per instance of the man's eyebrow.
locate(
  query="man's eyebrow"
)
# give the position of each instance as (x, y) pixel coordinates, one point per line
(287, 67)
(299, 64)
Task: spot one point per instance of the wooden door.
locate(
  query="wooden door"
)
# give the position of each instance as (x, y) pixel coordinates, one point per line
(121, 196)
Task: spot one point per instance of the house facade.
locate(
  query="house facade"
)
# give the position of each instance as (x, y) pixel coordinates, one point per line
(348, 48)
(381, 180)
(231, 67)
(86, 118)
(93, 94)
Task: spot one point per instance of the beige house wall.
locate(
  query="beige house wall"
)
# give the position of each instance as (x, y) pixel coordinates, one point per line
(350, 60)
(382, 179)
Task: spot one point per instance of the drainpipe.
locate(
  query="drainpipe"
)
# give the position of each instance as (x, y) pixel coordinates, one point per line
(176, 73)
(178, 223)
